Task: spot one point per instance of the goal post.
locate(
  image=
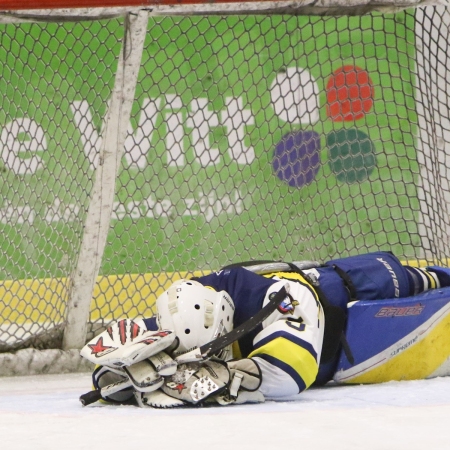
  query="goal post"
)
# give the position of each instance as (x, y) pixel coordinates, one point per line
(144, 142)
(102, 197)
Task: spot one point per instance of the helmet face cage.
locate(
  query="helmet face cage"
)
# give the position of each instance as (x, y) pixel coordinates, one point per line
(197, 314)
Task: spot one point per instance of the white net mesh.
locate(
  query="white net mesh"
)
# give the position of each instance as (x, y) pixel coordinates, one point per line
(273, 137)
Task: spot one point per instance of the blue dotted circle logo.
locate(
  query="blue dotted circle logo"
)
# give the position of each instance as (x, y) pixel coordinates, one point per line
(297, 158)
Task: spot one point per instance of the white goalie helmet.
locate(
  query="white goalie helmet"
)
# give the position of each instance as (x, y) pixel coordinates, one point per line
(197, 314)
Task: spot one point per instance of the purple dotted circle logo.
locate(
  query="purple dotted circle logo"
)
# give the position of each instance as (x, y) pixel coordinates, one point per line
(297, 158)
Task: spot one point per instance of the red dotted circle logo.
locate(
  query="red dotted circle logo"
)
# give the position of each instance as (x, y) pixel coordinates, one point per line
(350, 94)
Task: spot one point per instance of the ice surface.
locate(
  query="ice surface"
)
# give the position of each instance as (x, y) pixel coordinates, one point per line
(43, 412)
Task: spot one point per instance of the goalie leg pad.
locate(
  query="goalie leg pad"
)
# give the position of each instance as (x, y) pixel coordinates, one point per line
(164, 364)
(249, 372)
(144, 377)
(246, 379)
(242, 397)
(158, 399)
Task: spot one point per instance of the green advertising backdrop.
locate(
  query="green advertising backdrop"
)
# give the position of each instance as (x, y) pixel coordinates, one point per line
(286, 167)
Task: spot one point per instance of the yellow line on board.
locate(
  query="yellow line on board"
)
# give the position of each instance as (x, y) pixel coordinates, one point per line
(425, 263)
(115, 296)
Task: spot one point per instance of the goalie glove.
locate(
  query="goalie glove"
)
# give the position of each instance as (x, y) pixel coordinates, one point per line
(118, 385)
(125, 343)
(134, 358)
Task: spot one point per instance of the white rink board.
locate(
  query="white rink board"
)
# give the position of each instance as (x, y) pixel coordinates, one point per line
(43, 412)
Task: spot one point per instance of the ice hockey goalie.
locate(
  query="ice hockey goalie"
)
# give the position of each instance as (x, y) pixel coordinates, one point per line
(364, 318)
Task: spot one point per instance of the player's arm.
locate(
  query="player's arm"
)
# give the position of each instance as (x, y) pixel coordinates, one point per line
(288, 348)
(246, 288)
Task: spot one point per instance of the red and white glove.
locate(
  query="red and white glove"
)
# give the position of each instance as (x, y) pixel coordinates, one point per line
(126, 342)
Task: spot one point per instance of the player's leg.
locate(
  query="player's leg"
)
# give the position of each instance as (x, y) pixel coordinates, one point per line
(422, 279)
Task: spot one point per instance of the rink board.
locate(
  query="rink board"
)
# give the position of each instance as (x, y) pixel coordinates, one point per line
(115, 296)
(398, 339)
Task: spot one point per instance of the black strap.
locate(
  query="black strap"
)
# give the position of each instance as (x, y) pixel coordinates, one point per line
(335, 319)
(348, 283)
(347, 349)
(237, 333)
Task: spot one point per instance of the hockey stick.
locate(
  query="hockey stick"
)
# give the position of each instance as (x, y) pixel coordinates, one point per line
(205, 351)
(98, 394)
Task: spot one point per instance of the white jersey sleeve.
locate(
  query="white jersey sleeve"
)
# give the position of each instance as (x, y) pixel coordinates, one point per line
(289, 346)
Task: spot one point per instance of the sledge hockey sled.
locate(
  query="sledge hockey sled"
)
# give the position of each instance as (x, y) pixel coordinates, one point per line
(397, 339)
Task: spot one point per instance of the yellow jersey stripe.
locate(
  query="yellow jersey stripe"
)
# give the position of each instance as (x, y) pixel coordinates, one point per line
(299, 359)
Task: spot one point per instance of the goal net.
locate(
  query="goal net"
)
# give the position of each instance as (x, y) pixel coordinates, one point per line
(142, 145)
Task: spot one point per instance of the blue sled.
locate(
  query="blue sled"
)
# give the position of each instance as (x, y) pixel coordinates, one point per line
(397, 339)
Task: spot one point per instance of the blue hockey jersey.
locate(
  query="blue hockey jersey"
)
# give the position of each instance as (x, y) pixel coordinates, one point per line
(287, 345)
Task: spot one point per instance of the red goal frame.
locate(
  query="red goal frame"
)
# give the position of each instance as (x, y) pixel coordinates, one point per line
(60, 4)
